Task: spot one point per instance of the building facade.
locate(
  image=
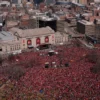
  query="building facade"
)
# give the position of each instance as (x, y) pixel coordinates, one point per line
(34, 37)
(8, 43)
(17, 39)
(61, 38)
(80, 1)
(16, 1)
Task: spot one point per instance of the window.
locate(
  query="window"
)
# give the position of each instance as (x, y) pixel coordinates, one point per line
(19, 46)
(38, 41)
(15, 47)
(6, 49)
(10, 48)
(23, 41)
(52, 37)
(61, 39)
(3, 5)
(0, 49)
(17, 38)
(46, 39)
(29, 42)
(57, 40)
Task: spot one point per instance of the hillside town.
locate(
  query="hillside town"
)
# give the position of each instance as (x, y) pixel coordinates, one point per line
(49, 49)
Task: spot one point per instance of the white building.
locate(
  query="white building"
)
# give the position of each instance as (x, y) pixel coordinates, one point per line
(49, 2)
(17, 39)
(61, 38)
(8, 43)
(97, 1)
(4, 4)
(80, 1)
(16, 1)
(34, 37)
(74, 1)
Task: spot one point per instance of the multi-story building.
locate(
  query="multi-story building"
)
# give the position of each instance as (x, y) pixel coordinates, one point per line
(43, 20)
(97, 1)
(4, 3)
(8, 43)
(49, 2)
(80, 1)
(16, 1)
(61, 38)
(17, 39)
(51, 23)
(62, 1)
(85, 1)
(34, 37)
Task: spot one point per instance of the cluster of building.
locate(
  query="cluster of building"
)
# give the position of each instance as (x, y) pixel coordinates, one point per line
(26, 24)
